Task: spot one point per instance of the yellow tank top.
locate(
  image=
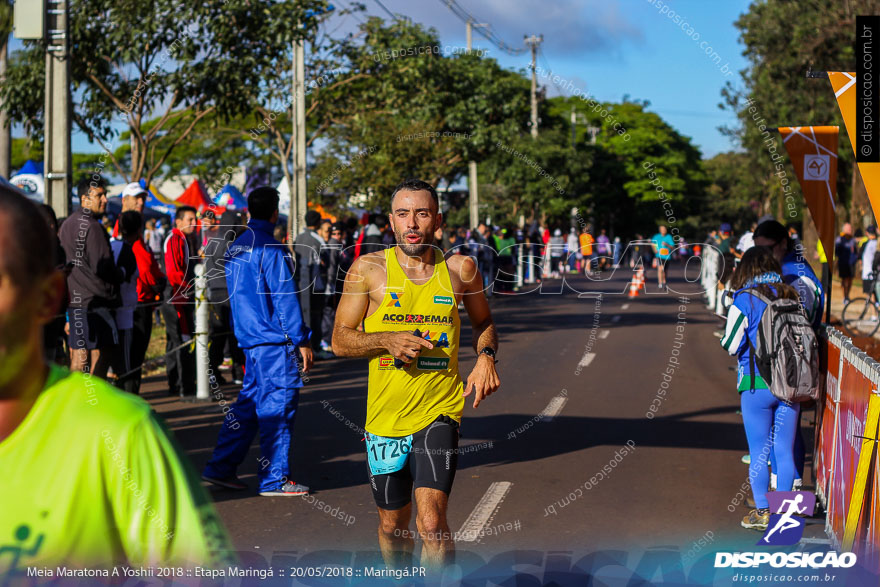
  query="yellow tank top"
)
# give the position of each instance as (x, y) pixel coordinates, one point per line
(403, 401)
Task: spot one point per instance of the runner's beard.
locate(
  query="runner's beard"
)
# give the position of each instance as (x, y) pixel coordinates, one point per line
(413, 250)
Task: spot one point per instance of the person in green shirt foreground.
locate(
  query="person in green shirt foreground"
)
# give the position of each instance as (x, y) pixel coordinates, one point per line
(91, 478)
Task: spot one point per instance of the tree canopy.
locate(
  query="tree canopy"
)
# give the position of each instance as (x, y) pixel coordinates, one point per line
(783, 39)
(186, 61)
(382, 105)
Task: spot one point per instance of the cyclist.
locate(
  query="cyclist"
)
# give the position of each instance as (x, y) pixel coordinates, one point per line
(406, 298)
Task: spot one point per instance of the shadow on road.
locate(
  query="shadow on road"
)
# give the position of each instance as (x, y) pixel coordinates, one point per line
(328, 449)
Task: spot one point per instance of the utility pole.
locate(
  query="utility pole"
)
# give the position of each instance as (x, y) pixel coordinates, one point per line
(56, 133)
(576, 117)
(5, 127)
(469, 30)
(533, 43)
(473, 194)
(298, 190)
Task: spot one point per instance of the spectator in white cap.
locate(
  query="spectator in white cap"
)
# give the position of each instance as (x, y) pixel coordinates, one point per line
(133, 199)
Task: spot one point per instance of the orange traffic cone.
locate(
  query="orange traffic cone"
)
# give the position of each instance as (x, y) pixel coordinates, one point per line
(634, 286)
(641, 278)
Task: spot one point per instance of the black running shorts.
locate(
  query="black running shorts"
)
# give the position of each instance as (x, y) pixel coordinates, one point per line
(431, 463)
(92, 329)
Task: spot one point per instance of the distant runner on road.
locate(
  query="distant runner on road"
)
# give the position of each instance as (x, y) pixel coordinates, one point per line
(406, 297)
(663, 246)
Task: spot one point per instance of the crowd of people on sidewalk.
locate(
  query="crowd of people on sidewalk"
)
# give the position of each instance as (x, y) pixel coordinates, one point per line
(127, 275)
(856, 253)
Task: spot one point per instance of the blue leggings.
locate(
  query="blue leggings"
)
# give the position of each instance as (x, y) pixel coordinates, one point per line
(762, 412)
(800, 452)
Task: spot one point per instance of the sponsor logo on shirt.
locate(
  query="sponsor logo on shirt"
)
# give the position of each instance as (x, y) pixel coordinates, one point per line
(445, 300)
(442, 342)
(395, 299)
(416, 319)
(386, 363)
(433, 363)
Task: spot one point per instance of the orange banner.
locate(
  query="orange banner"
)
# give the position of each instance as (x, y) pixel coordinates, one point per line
(844, 85)
(813, 153)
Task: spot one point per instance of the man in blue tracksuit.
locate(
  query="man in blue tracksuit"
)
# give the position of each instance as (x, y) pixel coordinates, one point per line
(269, 327)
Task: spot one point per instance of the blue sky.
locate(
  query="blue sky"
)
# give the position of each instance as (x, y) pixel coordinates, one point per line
(609, 48)
(613, 48)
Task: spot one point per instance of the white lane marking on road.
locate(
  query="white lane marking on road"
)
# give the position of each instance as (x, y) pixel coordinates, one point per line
(604, 334)
(587, 359)
(624, 307)
(615, 318)
(472, 528)
(553, 408)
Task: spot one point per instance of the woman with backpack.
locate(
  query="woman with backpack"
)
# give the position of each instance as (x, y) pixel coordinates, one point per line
(770, 422)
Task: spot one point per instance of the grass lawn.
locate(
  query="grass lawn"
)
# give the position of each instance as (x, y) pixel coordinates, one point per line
(155, 350)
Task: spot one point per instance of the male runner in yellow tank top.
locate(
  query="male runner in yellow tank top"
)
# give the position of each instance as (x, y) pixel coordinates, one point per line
(415, 395)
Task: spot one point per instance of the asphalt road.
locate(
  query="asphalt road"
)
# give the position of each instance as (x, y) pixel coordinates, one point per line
(568, 472)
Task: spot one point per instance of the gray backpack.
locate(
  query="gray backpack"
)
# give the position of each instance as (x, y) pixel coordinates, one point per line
(786, 352)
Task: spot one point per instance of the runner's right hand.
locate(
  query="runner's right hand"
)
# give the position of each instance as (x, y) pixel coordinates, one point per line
(405, 346)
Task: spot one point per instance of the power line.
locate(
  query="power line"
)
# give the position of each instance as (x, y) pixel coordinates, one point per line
(550, 71)
(486, 31)
(352, 12)
(690, 113)
(391, 14)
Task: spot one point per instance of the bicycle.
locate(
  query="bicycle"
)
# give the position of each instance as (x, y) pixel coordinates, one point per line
(861, 316)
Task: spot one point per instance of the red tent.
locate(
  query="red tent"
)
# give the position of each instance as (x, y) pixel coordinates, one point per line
(196, 196)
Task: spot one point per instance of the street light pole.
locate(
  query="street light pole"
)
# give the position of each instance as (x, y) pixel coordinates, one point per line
(298, 189)
(57, 110)
(533, 43)
(5, 127)
(473, 193)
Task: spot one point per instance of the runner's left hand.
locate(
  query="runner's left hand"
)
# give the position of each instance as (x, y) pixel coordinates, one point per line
(483, 380)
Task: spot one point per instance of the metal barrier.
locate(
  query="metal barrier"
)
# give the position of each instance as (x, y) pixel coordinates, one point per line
(846, 465)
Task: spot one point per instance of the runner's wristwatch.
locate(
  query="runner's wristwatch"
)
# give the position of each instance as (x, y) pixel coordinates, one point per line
(487, 350)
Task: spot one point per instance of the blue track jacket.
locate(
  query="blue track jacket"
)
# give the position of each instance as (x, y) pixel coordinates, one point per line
(262, 292)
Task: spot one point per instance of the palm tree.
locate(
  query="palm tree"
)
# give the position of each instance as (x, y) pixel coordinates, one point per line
(5, 127)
